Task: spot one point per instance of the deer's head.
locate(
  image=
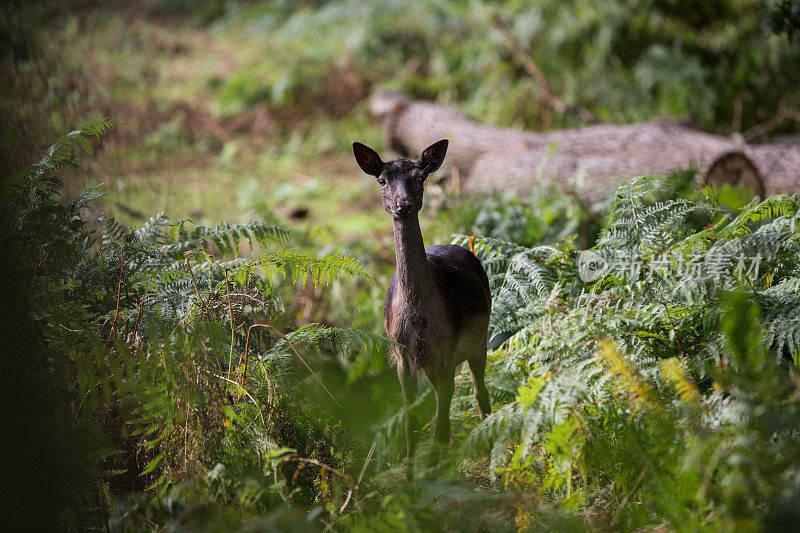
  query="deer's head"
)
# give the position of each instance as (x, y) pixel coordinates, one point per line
(402, 180)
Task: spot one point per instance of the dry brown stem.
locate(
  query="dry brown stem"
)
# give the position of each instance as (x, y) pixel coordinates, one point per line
(533, 70)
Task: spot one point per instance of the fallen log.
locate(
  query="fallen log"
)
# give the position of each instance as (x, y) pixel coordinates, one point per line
(412, 125)
(591, 161)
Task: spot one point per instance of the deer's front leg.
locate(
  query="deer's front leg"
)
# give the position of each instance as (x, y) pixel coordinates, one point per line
(408, 384)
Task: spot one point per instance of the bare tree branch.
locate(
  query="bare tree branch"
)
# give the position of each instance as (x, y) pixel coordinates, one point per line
(533, 70)
(781, 116)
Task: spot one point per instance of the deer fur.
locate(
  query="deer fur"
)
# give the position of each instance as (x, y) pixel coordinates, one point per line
(438, 303)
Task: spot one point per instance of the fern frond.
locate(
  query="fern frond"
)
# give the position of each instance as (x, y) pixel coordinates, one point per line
(300, 267)
(179, 239)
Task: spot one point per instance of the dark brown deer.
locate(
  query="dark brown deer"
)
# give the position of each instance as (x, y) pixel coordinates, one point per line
(438, 304)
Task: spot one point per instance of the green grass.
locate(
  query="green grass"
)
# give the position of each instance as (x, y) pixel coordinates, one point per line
(177, 153)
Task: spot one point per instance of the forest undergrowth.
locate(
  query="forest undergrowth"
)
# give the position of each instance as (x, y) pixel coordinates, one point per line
(220, 374)
(648, 381)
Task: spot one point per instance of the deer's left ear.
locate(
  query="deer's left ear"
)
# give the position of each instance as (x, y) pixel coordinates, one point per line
(433, 156)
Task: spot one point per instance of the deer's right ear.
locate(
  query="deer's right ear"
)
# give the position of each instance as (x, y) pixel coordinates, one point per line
(368, 159)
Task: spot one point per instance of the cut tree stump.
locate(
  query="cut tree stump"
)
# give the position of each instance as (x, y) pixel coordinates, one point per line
(591, 161)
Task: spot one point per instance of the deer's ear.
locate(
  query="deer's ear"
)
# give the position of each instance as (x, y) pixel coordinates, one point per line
(368, 159)
(433, 156)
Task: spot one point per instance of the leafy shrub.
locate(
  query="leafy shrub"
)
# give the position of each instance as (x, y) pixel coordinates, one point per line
(639, 383)
(173, 352)
(546, 217)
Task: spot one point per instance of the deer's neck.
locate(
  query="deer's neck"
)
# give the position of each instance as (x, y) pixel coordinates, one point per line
(413, 271)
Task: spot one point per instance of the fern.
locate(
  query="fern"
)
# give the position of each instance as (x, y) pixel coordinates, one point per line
(566, 379)
(300, 267)
(650, 396)
(151, 329)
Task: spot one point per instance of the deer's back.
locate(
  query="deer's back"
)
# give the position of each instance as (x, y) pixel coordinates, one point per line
(461, 281)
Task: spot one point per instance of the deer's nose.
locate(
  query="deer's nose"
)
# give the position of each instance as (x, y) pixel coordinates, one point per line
(404, 205)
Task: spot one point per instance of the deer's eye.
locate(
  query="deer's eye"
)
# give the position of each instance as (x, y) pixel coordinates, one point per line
(422, 177)
(382, 181)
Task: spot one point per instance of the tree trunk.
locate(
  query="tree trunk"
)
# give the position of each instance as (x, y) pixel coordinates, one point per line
(590, 161)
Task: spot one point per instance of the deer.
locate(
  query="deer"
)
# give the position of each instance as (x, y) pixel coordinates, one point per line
(438, 302)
